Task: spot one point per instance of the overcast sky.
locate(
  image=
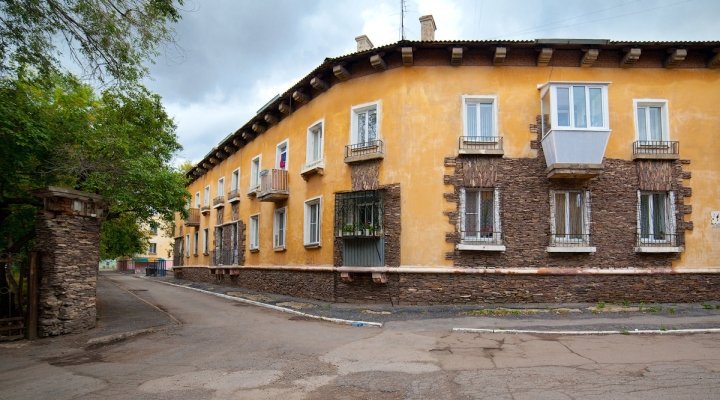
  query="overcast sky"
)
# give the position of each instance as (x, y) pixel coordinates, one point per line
(232, 56)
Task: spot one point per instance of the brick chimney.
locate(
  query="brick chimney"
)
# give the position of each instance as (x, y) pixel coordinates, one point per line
(427, 28)
(363, 43)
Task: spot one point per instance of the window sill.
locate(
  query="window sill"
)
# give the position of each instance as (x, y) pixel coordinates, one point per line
(480, 247)
(206, 253)
(566, 249)
(659, 249)
(255, 250)
(279, 249)
(312, 245)
(315, 168)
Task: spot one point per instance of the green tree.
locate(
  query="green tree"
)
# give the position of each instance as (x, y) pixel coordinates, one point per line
(55, 130)
(108, 39)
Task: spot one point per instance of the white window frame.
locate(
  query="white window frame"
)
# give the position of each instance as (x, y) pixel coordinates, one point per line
(665, 118)
(206, 198)
(553, 87)
(585, 238)
(206, 240)
(477, 99)
(278, 152)
(280, 232)
(221, 187)
(254, 228)
(309, 161)
(197, 199)
(361, 108)
(255, 173)
(196, 237)
(307, 227)
(235, 179)
(150, 248)
(187, 245)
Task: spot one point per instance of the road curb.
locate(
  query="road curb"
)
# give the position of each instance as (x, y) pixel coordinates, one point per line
(590, 332)
(339, 321)
(122, 336)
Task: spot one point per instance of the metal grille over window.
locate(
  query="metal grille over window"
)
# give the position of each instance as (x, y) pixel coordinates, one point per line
(359, 214)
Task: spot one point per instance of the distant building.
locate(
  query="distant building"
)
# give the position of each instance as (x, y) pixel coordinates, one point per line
(159, 250)
(472, 171)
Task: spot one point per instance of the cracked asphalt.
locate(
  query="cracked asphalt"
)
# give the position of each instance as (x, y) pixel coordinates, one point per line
(228, 350)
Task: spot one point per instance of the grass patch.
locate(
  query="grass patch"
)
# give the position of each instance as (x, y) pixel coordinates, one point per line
(498, 312)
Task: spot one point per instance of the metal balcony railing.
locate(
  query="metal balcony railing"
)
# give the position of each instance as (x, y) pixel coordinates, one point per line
(492, 145)
(660, 239)
(483, 236)
(233, 196)
(570, 240)
(656, 149)
(218, 201)
(273, 185)
(193, 217)
(369, 150)
(224, 257)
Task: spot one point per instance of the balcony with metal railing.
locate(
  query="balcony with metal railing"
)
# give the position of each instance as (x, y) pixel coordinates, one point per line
(369, 150)
(273, 185)
(219, 201)
(481, 145)
(659, 242)
(570, 243)
(656, 150)
(233, 196)
(481, 240)
(193, 217)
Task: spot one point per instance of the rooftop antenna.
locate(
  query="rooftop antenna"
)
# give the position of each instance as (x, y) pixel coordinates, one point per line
(403, 10)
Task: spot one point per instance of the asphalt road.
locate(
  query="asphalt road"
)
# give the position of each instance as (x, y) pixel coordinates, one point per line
(227, 350)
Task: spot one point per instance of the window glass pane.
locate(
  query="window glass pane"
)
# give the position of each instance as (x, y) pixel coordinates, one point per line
(655, 120)
(486, 214)
(486, 119)
(579, 107)
(471, 111)
(563, 106)
(576, 219)
(596, 108)
(471, 213)
(658, 206)
(560, 214)
(642, 123)
(644, 215)
(362, 124)
(372, 125)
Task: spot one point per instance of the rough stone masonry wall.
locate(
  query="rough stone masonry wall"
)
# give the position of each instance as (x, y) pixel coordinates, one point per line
(70, 250)
(525, 210)
(309, 284)
(515, 288)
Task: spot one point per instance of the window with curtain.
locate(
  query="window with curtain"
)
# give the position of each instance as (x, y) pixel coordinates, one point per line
(479, 118)
(479, 215)
(569, 213)
(279, 228)
(655, 216)
(650, 125)
(365, 125)
(312, 222)
(254, 232)
(314, 143)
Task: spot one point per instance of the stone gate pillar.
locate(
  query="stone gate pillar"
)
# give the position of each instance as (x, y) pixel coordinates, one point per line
(68, 238)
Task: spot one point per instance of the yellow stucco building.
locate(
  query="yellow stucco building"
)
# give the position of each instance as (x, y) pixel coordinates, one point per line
(455, 171)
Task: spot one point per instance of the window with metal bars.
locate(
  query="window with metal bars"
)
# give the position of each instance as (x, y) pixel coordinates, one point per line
(359, 213)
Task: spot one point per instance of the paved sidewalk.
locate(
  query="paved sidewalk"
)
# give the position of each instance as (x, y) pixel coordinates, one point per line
(545, 317)
(124, 312)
